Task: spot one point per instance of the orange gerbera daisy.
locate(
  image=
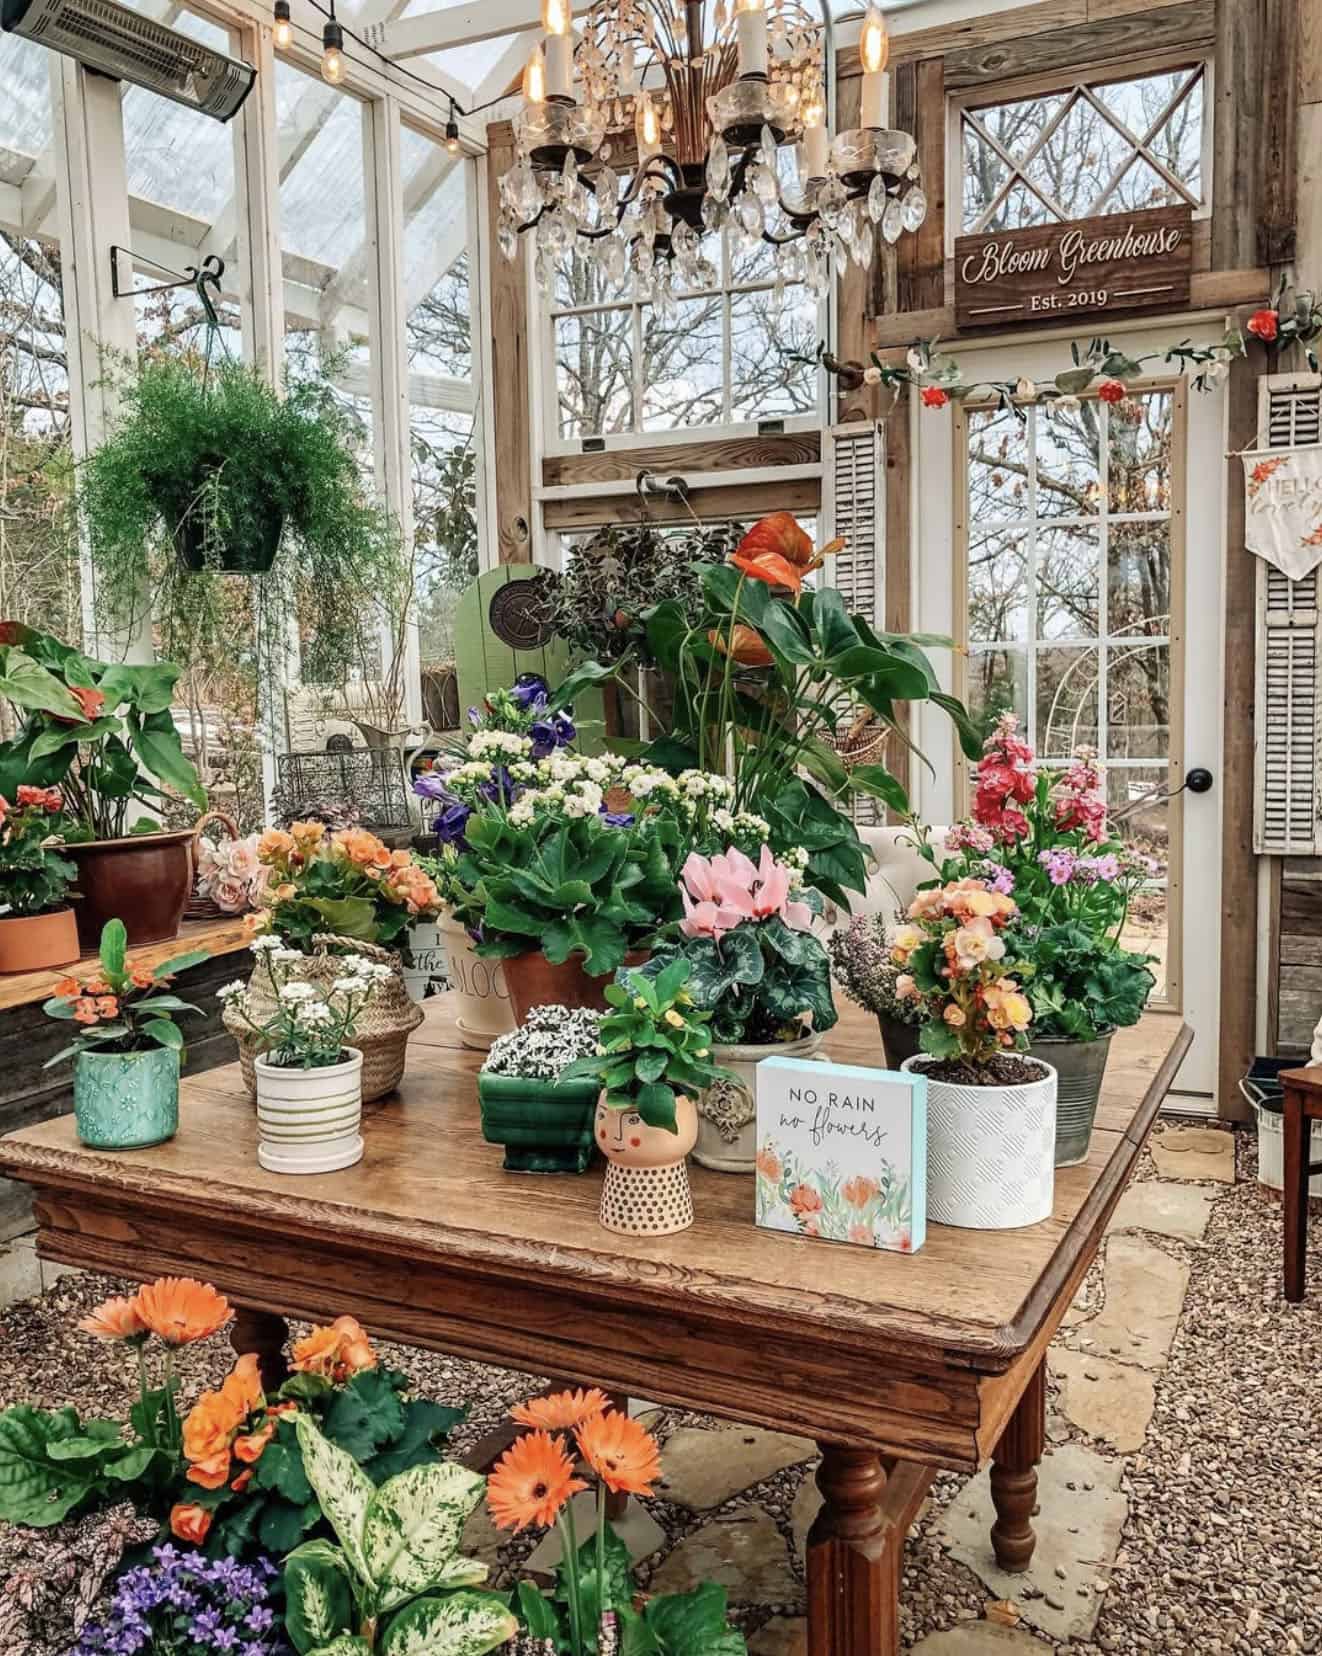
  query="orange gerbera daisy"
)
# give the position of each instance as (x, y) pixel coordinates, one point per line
(622, 1454)
(564, 1410)
(181, 1309)
(531, 1482)
(115, 1319)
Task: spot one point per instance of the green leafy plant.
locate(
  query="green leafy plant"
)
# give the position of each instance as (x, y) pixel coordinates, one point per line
(655, 1044)
(124, 1007)
(1082, 986)
(34, 877)
(101, 732)
(396, 1583)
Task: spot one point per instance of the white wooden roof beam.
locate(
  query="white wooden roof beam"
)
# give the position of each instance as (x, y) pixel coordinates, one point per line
(462, 25)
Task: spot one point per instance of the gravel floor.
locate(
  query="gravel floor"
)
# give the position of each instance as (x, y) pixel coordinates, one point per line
(1223, 1547)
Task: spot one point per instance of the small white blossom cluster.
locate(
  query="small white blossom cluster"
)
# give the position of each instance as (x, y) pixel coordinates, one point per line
(311, 1024)
(498, 744)
(551, 1038)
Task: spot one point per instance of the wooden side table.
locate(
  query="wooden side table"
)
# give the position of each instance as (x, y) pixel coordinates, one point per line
(1302, 1105)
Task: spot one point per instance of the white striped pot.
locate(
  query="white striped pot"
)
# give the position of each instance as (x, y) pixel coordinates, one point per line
(991, 1152)
(309, 1120)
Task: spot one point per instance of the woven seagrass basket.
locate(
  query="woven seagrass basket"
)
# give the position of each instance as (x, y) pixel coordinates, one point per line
(863, 743)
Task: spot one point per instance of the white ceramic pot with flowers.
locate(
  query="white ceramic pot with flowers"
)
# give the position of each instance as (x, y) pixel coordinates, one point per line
(652, 1062)
(756, 967)
(309, 1073)
(991, 1109)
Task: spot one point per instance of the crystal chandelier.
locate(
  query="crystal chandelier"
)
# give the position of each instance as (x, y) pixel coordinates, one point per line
(729, 119)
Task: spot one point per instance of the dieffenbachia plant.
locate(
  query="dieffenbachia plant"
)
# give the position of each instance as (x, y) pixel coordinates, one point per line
(396, 1584)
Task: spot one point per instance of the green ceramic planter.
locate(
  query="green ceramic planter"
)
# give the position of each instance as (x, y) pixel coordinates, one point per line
(126, 1100)
(545, 1126)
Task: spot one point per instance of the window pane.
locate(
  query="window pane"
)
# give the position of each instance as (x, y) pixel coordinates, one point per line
(594, 372)
(1138, 576)
(1068, 461)
(1077, 162)
(1145, 828)
(581, 279)
(998, 465)
(1138, 701)
(998, 586)
(1142, 186)
(1018, 126)
(984, 176)
(1067, 582)
(1021, 207)
(1066, 701)
(771, 354)
(997, 683)
(682, 356)
(1139, 458)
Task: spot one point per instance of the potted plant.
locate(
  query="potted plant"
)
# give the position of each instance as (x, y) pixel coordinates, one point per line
(308, 1073)
(862, 965)
(544, 1121)
(103, 733)
(991, 1110)
(653, 1062)
(1042, 834)
(127, 1047)
(757, 970)
(37, 926)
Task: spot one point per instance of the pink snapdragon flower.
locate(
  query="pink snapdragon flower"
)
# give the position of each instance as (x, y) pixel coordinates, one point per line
(724, 891)
(1078, 799)
(1005, 782)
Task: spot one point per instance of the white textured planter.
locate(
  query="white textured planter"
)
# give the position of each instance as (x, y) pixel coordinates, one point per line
(428, 957)
(310, 1120)
(483, 1008)
(991, 1152)
(727, 1112)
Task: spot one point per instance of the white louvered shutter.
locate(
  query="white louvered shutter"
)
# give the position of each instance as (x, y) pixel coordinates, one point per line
(1288, 695)
(853, 507)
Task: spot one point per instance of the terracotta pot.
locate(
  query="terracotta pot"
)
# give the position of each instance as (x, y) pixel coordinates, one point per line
(646, 1189)
(143, 880)
(532, 980)
(30, 942)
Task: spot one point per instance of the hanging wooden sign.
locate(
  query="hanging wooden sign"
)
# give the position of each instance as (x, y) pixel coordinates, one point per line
(1091, 267)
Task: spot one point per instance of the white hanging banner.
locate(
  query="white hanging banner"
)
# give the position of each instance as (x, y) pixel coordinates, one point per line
(1283, 507)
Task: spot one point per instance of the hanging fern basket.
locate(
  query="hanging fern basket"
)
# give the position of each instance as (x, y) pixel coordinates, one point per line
(207, 537)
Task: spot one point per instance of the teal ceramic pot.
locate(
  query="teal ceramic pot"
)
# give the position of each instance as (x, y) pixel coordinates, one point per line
(545, 1126)
(126, 1100)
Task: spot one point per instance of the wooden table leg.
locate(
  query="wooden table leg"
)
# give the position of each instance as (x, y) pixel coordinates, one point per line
(264, 1333)
(1014, 1476)
(1298, 1130)
(853, 1560)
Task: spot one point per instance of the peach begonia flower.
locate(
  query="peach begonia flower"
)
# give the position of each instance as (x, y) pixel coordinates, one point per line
(181, 1310)
(335, 1352)
(974, 943)
(531, 1482)
(115, 1319)
(1007, 1007)
(623, 1454)
(562, 1411)
(190, 1523)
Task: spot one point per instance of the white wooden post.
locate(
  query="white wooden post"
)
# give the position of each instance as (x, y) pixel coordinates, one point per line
(93, 199)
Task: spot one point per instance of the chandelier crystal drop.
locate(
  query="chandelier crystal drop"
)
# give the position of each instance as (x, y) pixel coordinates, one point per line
(656, 124)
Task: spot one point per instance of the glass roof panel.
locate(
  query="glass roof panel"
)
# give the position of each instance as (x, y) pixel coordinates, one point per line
(25, 125)
(179, 157)
(323, 128)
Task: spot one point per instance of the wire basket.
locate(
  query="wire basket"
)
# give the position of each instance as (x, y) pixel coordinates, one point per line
(198, 907)
(864, 743)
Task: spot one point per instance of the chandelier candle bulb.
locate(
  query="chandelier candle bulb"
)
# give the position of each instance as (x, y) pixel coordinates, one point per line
(534, 78)
(647, 128)
(874, 53)
(559, 48)
(816, 143)
(751, 22)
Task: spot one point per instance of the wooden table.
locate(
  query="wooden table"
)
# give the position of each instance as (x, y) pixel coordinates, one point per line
(1301, 1104)
(896, 1365)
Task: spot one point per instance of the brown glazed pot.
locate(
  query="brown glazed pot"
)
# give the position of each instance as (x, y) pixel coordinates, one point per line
(33, 942)
(533, 981)
(143, 880)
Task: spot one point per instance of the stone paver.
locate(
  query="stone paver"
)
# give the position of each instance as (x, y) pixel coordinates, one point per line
(1180, 1211)
(807, 1504)
(1108, 1400)
(782, 1636)
(704, 1469)
(743, 1551)
(980, 1638)
(1194, 1153)
(1078, 1527)
(639, 1531)
(481, 1537)
(1145, 1290)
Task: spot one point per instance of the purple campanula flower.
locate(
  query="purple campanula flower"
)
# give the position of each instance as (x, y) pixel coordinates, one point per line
(617, 819)
(530, 691)
(451, 820)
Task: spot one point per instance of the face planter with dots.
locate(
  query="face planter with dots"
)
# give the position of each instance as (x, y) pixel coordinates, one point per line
(646, 1190)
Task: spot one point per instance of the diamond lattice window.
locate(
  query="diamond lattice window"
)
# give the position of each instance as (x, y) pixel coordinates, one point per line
(1095, 147)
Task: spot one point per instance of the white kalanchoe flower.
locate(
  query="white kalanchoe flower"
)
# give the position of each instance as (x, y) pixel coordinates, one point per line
(230, 991)
(260, 945)
(294, 993)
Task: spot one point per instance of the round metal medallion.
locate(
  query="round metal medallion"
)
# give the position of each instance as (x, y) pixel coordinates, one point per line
(518, 617)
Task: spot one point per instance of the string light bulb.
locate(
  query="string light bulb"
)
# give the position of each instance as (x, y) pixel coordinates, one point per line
(332, 50)
(555, 16)
(452, 131)
(647, 128)
(282, 29)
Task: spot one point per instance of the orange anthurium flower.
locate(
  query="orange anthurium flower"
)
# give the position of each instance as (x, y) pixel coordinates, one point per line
(745, 645)
(531, 1482)
(771, 568)
(778, 533)
(115, 1319)
(190, 1523)
(181, 1309)
(622, 1454)
(565, 1410)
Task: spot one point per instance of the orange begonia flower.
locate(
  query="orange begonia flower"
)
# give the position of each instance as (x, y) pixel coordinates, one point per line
(249, 1448)
(115, 1319)
(531, 1482)
(242, 1481)
(745, 646)
(242, 1386)
(335, 1352)
(564, 1410)
(622, 1454)
(190, 1523)
(212, 1472)
(181, 1309)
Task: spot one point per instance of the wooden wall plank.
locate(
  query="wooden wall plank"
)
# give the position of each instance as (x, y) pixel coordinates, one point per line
(898, 459)
(738, 500)
(509, 358)
(972, 32)
(1107, 40)
(794, 448)
(1237, 114)
(921, 264)
(1279, 147)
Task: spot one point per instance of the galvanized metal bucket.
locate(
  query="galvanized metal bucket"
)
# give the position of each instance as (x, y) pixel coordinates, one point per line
(1079, 1067)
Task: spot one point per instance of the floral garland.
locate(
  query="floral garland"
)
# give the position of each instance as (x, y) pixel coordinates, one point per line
(939, 380)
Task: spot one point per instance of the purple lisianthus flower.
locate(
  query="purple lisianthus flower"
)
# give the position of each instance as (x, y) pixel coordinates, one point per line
(530, 691)
(430, 785)
(500, 790)
(617, 819)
